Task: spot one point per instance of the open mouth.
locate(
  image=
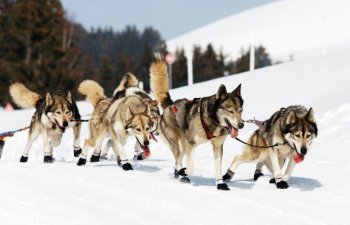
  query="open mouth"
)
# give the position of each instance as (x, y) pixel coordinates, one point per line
(146, 152)
(298, 158)
(233, 131)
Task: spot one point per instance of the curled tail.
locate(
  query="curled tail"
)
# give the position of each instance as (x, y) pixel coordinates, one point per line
(129, 80)
(93, 91)
(160, 81)
(22, 96)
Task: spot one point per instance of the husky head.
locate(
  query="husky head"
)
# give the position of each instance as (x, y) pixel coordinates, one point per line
(300, 131)
(58, 109)
(154, 113)
(140, 126)
(229, 109)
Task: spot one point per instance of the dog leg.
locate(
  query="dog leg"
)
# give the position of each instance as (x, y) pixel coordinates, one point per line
(76, 142)
(116, 152)
(290, 168)
(118, 143)
(33, 135)
(47, 147)
(180, 172)
(105, 149)
(218, 151)
(95, 157)
(258, 171)
(246, 156)
(138, 155)
(82, 157)
(280, 184)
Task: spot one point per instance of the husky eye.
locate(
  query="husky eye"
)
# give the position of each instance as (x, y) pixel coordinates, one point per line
(147, 128)
(308, 135)
(297, 135)
(138, 129)
(58, 112)
(68, 112)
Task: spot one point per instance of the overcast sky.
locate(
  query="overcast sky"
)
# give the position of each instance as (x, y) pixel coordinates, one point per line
(170, 17)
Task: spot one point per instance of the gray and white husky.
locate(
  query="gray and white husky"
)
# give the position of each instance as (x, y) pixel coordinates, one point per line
(53, 115)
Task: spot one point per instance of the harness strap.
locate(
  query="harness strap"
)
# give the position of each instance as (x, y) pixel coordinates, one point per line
(209, 134)
(257, 146)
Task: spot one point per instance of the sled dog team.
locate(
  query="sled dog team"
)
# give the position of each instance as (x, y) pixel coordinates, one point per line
(183, 124)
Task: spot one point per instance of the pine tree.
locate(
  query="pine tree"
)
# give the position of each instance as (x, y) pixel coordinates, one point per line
(36, 45)
(180, 69)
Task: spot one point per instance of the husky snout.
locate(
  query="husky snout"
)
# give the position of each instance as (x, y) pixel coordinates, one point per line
(303, 150)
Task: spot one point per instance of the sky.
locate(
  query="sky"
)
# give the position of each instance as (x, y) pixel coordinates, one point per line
(170, 17)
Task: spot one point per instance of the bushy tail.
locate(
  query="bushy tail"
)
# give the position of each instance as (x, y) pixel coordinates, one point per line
(93, 91)
(129, 80)
(160, 81)
(22, 96)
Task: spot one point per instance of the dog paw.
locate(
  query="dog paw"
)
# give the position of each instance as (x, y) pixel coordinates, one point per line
(228, 176)
(272, 181)
(103, 157)
(77, 152)
(222, 186)
(49, 159)
(127, 166)
(185, 180)
(95, 158)
(282, 185)
(23, 159)
(257, 175)
(81, 162)
(139, 157)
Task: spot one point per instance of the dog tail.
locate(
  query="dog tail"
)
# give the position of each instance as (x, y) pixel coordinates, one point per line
(129, 80)
(93, 91)
(22, 96)
(160, 81)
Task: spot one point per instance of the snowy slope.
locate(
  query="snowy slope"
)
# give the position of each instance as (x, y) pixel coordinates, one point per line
(285, 27)
(102, 193)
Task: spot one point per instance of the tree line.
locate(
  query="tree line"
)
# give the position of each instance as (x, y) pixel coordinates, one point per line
(40, 47)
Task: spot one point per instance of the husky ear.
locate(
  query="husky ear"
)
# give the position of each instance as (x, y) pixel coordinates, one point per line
(310, 116)
(291, 118)
(222, 93)
(49, 99)
(148, 111)
(154, 103)
(69, 97)
(129, 114)
(237, 91)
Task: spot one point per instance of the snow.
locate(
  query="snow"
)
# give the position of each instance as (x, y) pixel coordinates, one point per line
(284, 27)
(102, 193)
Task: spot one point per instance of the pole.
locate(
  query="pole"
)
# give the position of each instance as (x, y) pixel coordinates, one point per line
(189, 68)
(252, 53)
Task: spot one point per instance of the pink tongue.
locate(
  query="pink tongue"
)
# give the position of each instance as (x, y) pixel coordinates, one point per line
(146, 151)
(234, 132)
(298, 158)
(153, 137)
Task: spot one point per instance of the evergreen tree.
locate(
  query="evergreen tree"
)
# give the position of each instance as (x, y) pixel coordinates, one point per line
(179, 69)
(36, 46)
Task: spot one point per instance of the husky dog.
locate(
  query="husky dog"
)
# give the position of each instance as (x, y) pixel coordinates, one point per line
(118, 119)
(54, 113)
(186, 124)
(129, 86)
(290, 131)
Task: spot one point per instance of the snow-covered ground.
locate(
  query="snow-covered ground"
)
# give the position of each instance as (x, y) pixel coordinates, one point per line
(284, 27)
(102, 193)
